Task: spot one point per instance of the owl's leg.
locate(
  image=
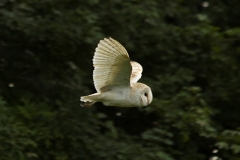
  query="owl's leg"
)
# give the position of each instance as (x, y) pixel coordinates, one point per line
(87, 104)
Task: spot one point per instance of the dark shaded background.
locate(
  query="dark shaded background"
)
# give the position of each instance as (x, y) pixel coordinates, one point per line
(190, 52)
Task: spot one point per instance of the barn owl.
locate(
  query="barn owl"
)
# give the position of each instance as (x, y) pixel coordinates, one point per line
(115, 78)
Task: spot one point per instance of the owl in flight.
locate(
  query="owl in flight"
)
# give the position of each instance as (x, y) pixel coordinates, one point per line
(115, 78)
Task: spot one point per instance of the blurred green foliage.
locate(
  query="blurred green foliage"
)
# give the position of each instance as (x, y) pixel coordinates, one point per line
(190, 53)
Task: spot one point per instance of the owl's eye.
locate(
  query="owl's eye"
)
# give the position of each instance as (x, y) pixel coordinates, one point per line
(145, 94)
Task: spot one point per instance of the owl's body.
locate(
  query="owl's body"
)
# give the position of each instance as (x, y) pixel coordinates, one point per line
(115, 78)
(121, 96)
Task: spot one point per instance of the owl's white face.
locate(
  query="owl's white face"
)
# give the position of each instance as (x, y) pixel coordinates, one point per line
(146, 96)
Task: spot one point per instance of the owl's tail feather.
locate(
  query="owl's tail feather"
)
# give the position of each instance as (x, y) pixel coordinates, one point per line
(90, 99)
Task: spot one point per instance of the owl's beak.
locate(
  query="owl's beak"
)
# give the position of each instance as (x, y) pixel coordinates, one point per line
(150, 97)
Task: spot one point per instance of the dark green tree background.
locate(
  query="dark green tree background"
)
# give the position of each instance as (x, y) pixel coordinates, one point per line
(190, 52)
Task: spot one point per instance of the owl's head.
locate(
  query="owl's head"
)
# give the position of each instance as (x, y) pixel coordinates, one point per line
(144, 92)
(146, 96)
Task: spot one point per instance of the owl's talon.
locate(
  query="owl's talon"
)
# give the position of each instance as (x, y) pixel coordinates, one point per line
(86, 104)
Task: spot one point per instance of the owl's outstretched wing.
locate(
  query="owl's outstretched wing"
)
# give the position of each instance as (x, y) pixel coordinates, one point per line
(136, 72)
(111, 65)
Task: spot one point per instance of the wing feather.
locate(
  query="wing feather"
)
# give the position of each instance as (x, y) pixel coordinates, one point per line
(111, 65)
(136, 72)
